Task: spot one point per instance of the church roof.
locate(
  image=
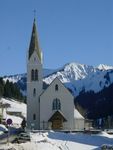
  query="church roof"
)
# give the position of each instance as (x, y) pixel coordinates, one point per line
(57, 80)
(77, 115)
(56, 115)
(34, 43)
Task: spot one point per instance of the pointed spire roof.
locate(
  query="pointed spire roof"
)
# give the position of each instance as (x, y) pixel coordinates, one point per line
(34, 43)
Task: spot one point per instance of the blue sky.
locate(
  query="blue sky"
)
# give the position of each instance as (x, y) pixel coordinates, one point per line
(69, 31)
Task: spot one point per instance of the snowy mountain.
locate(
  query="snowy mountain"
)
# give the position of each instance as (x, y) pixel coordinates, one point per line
(104, 67)
(77, 77)
(94, 82)
(71, 72)
(14, 78)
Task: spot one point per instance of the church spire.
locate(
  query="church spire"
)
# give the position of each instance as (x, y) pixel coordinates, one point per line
(34, 43)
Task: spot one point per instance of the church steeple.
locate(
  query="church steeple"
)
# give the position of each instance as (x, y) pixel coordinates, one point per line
(34, 80)
(34, 43)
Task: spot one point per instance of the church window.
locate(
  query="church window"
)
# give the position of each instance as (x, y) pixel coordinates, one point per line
(32, 75)
(56, 87)
(34, 116)
(36, 75)
(56, 104)
(34, 92)
(34, 59)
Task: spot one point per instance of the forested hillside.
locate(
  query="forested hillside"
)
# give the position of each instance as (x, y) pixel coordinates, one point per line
(10, 90)
(97, 105)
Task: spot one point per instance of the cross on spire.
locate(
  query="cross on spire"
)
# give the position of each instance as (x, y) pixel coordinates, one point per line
(34, 13)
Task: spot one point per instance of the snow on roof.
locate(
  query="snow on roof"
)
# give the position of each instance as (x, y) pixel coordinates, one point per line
(14, 110)
(77, 115)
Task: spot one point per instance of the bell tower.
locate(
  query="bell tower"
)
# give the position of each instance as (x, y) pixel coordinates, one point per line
(34, 80)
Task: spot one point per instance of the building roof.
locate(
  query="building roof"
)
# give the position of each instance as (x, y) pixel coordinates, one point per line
(77, 115)
(34, 43)
(46, 86)
(15, 110)
(57, 114)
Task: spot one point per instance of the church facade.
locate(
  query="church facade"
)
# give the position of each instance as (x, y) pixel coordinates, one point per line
(50, 108)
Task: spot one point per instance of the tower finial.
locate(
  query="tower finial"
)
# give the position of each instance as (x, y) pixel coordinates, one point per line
(34, 13)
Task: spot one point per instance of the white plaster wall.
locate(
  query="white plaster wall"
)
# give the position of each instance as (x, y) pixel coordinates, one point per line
(79, 124)
(67, 104)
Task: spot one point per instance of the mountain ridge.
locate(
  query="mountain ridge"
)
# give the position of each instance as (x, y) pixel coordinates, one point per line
(77, 77)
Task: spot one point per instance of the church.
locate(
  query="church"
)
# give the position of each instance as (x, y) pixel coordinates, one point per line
(50, 108)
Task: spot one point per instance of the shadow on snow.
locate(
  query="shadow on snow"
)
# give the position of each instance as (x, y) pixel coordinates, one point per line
(94, 140)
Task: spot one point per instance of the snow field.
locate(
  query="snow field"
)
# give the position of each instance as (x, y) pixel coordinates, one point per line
(63, 141)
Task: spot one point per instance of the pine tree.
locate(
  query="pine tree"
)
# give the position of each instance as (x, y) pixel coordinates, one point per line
(1, 87)
(11, 90)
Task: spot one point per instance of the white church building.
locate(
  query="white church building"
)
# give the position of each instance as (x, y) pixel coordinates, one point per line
(50, 108)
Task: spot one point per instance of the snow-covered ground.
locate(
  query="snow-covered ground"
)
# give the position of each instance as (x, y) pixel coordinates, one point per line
(14, 106)
(2, 129)
(63, 141)
(53, 140)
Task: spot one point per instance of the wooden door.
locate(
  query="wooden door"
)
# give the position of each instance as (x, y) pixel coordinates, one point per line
(57, 124)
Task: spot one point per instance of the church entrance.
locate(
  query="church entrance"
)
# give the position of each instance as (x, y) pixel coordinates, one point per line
(57, 123)
(57, 120)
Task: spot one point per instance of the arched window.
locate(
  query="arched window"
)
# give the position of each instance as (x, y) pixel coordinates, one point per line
(34, 59)
(34, 116)
(56, 104)
(32, 75)
(56, 87)
(36, 75)
(34, 92)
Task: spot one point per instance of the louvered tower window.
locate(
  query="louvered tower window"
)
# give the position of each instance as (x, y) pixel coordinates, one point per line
(36, 75)
(32, 75)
